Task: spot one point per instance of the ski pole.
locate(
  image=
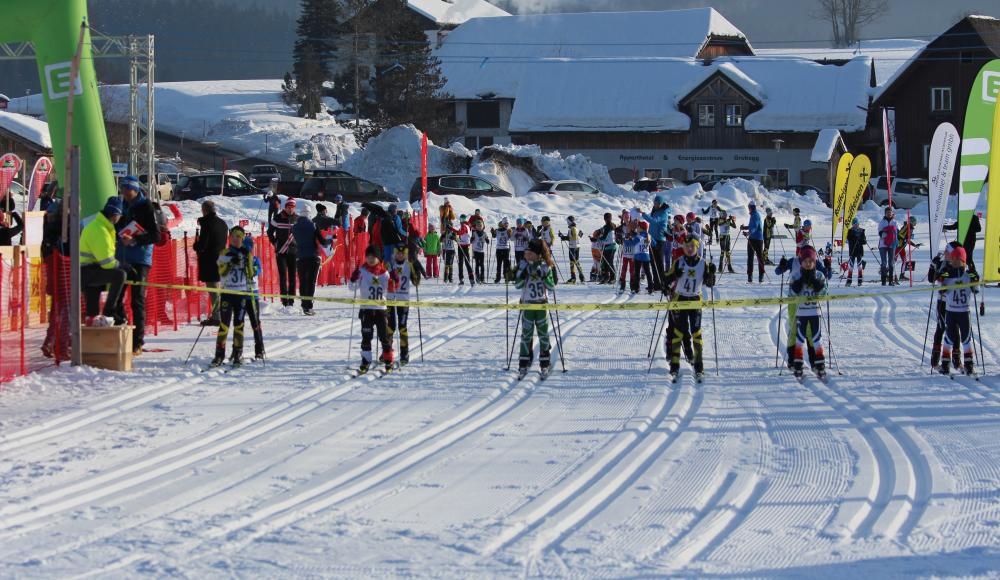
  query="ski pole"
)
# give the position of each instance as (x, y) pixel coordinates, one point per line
(777, 340)
(715, 335)
(420, 327)
(517, 326)
(194, 345)
(927, 329)
(979, 331)
(562, 356)
(489, 249)
(656, 323)
(829, 343)
(350, 336)
(659, 334)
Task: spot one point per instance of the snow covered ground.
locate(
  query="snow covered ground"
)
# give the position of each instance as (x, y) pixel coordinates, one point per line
(451, 468)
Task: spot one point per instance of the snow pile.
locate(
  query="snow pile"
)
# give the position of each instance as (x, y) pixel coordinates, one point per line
(555, 166)
(27, 127)
(246, 116)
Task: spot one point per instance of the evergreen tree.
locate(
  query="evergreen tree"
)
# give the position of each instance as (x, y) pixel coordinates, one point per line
(314, 48)
(289, 92)
(407, 80)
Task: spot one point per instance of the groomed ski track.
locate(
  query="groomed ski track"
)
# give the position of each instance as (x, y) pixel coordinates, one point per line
(452, 467)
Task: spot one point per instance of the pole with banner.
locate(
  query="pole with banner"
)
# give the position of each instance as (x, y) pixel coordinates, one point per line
(887, 142)
(991, 263)
(857, 182)
(976, 146)
(423, 178)
(840, 192)
(942, 158)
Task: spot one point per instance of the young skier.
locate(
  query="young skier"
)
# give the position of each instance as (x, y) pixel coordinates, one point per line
(934, 273)
(464, 234)
(234, 266)
(432, 249)
(678, 236)
(450, 246)
(502, 235)
(253, 302)
(808, 316)
(522, 235)
(796, 224)
(609, 249)
(572, 239)
(371, 281)
(642, 258)
(769, 224)
(888, 236)
(689, 273)
(726, 224)
(695, 230)
(534, 279)
(629, 243)
(906, 234)
(404, 272)
(596, 255)
(479, 241)
(714, 217)
(803, 237)
(793, 266)
(856, 244)
(958, 322)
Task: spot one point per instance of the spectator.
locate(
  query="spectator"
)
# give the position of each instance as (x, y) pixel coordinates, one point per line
(57, 338)
(136, 238)
(755, 243)
(98, 266)
(446, 212)
(969, 243)
(343, 213)
(280, 234)
(307, 242)
(11, 224)
(213, 235)
(392, 233)
(322, 220)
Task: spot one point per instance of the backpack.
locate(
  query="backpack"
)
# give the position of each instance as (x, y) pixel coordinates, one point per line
(161, 224)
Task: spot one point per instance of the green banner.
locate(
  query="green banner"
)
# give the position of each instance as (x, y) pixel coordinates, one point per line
(976, 139)
(53, 26)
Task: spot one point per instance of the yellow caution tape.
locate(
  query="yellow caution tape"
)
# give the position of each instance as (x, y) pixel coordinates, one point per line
(651, 306)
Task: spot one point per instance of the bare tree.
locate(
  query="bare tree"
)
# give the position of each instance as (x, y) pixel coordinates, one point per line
(848, 17)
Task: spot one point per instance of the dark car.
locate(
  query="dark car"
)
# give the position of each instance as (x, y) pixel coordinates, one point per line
(205, 184)
(261, 175)
(354, 189)
(464, 185)
(329, 173)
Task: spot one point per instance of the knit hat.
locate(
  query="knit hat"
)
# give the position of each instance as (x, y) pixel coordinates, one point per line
(545, 219)
(320, 208)
(290, 203)
(372, 251)
(113, 206)
(807, 253)
(133, 185)
(535, 246)
(239, 232)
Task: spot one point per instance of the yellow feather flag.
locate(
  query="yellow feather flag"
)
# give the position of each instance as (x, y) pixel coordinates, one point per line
(991, 265)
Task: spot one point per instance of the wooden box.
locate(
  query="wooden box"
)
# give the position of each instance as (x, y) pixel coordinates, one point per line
(108, 347)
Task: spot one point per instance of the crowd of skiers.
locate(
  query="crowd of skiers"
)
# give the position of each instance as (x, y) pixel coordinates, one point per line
(666, 251)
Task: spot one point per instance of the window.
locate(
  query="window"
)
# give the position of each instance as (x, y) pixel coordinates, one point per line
(940, 99)
(543, 186)
(566, 187)
(652, 173)
(779, 177)
(734, 115)
(706, 115)
(699, 172)
(472, 143)
(482, 114)
(927, 154)
(485, 142)
(482, 184)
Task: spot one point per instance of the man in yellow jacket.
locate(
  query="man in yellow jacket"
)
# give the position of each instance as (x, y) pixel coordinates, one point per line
(98, 266)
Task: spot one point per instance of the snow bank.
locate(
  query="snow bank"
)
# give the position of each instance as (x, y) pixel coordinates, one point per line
(27, 127)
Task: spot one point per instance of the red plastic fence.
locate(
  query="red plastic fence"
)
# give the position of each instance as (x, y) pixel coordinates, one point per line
(34, 296)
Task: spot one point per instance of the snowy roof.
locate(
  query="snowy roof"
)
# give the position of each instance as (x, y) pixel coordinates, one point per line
(487, 55)
(889, 56)
(27, 127)
(796, 95)
(826, 143)
(4, 97)
(454, 12)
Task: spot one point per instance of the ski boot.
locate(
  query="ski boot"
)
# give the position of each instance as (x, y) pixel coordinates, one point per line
(363, 368)
(699, 377)
(820, 371)
(543, 372)
(218, 360)
(797, 371)
(850, 281)
(970, 371)
(236, 361)
(945, 368)
(675, 376)
(258, 354)
(521, 372)
(730, 269)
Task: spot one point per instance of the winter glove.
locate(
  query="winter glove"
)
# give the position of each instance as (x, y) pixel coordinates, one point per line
(783, 264)
(356, 275)
(543, 270)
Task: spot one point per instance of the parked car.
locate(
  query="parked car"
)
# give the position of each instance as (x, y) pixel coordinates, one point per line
(803, 189)
(164, 187)
(261, 175)
(709, 181)
(906, 193)
(354, 189)
(464, 185)
(328, 173)
(566, 188)
(656, 185)
(210, 183)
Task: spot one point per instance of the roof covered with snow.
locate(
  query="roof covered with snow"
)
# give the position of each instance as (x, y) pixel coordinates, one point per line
(797, 95)
(29, 128)
(486, 56)
(454, 12)
(826, 144)
(889, 56)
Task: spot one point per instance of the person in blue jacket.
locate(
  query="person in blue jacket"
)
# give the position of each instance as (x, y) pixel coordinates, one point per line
(659, 224)
(307, 242)
(138, 232)
(755, 243)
